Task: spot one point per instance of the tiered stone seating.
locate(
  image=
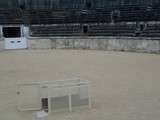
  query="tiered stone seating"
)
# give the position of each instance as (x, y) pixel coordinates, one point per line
(70, 16)
(55, 30)
(10, 16)
(131, 13)
(97, 21)
(151, 30)
(112, 29)
(51, 17)
(96, 16)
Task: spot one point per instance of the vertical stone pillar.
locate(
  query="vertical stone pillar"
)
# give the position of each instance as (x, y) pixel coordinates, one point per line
(1, 39)
(25, 31)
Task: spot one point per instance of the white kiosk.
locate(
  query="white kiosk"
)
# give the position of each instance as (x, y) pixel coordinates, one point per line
(15, 36)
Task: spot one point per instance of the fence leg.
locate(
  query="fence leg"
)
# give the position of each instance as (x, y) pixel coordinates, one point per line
(70, 101)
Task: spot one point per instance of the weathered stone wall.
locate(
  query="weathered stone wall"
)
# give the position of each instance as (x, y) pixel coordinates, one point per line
(134, 44)
(39, 43)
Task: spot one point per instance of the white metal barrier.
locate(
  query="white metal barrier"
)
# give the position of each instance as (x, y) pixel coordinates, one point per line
(59, 94)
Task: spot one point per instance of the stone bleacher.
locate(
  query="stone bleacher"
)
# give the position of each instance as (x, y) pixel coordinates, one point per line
(118, 29)
(10, 16)
(63, 17)
(92, 30)
(97, 22)
(151, 30)
(55, 30)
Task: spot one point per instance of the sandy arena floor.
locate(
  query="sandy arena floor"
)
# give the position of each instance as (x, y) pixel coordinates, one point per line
(125, 86)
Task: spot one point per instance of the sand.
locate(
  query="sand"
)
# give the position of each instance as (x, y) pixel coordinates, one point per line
(125, 86)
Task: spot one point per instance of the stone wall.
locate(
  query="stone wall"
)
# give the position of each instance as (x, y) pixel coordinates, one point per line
(39, 43)
(133, 44)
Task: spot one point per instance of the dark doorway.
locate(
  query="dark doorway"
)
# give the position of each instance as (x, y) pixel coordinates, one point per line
(85, 29)
(88, 4)
(142, 26)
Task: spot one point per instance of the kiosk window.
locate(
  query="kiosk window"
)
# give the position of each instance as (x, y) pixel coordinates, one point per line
(11, 32)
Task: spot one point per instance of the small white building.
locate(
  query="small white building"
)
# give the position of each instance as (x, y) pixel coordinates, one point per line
(14, 36)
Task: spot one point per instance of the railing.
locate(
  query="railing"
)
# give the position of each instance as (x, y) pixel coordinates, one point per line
(60, 94)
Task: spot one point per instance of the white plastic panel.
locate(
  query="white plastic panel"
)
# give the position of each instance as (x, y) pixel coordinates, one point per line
(81, 98)
(60, 95)
(29, 97)
(15, 43)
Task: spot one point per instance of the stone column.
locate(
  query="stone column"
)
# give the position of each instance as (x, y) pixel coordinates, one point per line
(1, 39)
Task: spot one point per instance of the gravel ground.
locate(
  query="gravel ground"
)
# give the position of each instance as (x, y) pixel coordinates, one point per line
(125, 86)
